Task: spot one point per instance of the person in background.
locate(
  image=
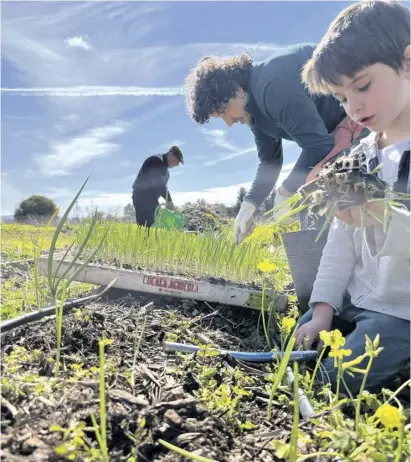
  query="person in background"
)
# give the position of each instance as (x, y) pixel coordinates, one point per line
(271, 99)
(151, 184)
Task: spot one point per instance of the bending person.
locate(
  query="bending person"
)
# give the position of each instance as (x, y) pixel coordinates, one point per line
(272, 100)
(151, 183)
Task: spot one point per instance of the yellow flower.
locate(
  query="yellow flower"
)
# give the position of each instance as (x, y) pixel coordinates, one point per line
(333, 339)
(266, 267)
(390, 416)
(339, 354)
(287, 324)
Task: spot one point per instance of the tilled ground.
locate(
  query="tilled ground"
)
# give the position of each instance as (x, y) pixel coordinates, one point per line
(213, 406)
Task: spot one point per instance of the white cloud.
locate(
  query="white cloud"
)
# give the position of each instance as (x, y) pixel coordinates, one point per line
(72, 153)
(217, 137)
(175, 173)
(230, 156)
(288, 146)
(96, 90)
(60, 128)
(71, 117)
(166, 146)
(78, 41)
(33, 43)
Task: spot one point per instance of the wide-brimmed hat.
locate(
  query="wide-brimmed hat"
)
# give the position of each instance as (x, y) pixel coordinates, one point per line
(177, 152)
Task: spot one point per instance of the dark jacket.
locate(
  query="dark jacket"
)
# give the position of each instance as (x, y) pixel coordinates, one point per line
(152, 180)
(282, 108)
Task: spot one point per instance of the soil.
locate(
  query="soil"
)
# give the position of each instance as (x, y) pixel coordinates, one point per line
(166, 388)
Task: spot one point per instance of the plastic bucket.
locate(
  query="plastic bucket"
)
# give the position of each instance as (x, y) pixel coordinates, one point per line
(168, 219)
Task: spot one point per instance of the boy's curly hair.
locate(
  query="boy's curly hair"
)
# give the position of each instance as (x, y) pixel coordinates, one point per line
(213, 82)
(363, 34)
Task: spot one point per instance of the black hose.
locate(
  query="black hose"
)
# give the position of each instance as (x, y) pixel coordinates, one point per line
(50, 310)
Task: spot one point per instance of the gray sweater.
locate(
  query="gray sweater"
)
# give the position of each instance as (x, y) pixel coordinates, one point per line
(282, 108)
(372, 265)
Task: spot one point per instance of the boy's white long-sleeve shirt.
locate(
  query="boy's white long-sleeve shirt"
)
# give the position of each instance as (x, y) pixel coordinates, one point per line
(372, 265)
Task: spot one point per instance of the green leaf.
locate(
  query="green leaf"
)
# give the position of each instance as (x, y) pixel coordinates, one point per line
(378, 351)
(247, 425)
(55, 238)
(376, 341)
(294, 430)
(63, 449)
(368, 344)
(281, 370)
(56, 428)
(341, 440)
(184, 453)
(281, 449)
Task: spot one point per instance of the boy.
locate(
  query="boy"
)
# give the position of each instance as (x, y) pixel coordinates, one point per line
(364, 61)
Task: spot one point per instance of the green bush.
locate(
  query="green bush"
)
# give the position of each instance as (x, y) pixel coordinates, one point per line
(35, 207)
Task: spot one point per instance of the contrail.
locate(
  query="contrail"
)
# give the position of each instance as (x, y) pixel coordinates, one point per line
(90, 90)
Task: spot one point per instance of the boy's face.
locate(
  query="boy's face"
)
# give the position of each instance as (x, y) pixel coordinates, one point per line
(377, 97)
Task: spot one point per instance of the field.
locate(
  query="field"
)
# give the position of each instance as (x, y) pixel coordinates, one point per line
(18, 244)
(117, 395)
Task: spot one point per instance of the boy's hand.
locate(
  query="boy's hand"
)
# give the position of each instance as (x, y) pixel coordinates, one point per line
(352, 216)
(308, 333)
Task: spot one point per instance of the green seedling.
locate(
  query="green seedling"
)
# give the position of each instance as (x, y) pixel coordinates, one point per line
(58, 286)
(101, 430)
(185, 453)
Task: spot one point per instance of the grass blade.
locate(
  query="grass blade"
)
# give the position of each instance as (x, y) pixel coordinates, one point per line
(281, 371)
(55, 238)
(185, 453)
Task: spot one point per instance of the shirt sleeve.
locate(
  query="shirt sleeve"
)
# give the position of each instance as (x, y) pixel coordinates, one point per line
(270, 154)
(336, 266)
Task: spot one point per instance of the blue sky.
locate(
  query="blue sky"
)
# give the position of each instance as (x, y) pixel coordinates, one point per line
(95, 88)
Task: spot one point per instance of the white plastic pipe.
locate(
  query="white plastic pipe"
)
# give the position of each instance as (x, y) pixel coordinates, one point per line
(171, 286)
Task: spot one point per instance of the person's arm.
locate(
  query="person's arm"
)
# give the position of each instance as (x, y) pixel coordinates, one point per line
(336, 266)
(270, 154)
(297, 114)
(335, 271)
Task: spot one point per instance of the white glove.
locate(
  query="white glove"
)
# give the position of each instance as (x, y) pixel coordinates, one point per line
(243, 221)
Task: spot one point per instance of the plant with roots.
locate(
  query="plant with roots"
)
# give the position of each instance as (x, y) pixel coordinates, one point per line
(341, 185)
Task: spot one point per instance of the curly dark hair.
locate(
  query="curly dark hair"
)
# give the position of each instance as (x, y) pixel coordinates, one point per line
(215, 80)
